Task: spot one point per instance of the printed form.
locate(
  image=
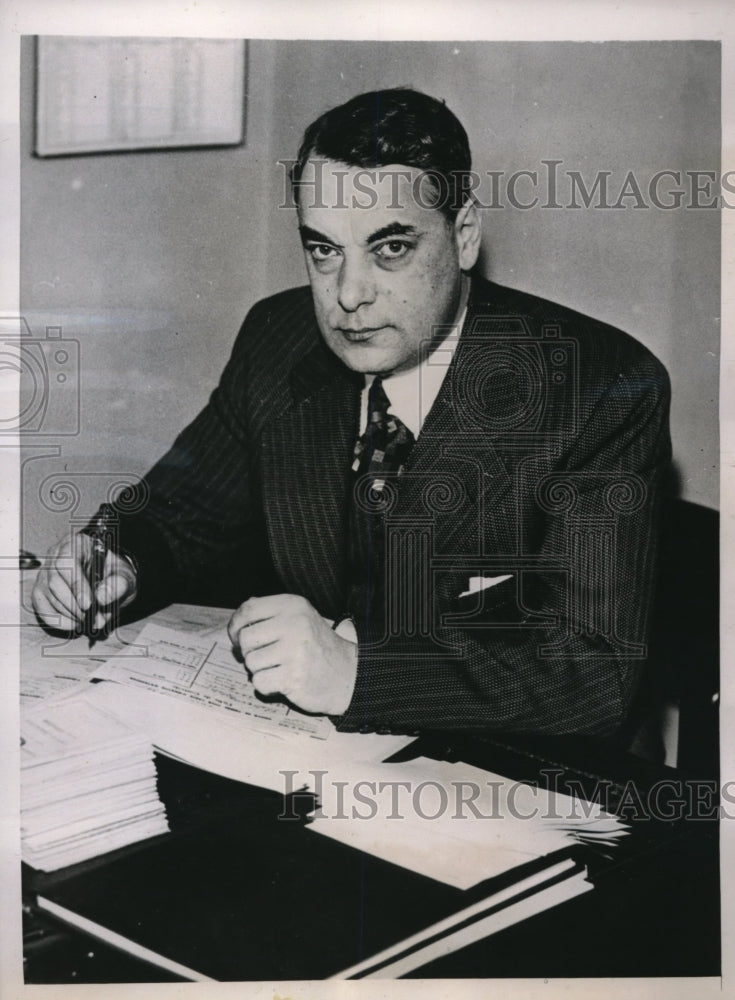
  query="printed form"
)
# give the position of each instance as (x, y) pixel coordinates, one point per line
(201, 669)
(53, 666)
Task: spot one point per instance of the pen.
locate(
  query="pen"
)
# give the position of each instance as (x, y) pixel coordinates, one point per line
(98, 530)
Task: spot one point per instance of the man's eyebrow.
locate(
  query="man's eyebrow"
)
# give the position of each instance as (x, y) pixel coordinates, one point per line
(392, 229)
(314, 236)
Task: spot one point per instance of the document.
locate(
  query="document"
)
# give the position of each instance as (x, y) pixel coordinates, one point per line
(53, 731)
(201, 669)
(53, 665)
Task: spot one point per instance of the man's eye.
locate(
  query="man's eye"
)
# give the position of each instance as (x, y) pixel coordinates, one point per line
(393, 249)
(321, 251)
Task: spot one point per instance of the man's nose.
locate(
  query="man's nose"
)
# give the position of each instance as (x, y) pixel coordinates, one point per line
(355, 286)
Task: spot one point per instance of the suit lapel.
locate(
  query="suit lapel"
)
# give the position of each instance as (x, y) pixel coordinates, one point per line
(306, 456)
(456, 474)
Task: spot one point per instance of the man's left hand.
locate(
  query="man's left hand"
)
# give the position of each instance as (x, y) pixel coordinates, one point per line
(291, 650)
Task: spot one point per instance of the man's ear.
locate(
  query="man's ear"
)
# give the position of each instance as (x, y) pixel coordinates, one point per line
(468, 233)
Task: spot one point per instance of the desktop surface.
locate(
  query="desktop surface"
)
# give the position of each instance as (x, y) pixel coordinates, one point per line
(236, 893)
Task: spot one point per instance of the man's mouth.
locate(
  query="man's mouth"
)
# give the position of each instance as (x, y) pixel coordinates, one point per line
(356, 336)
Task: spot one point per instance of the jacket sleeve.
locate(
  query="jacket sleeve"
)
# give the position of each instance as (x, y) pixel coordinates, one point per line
(571, 661)
(192, 527)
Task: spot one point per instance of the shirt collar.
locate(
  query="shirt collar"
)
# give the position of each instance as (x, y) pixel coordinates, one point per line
(412, 393)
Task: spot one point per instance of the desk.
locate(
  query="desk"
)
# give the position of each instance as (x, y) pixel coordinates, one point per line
(236, 894)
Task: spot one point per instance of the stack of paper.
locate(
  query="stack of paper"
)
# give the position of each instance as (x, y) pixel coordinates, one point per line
(451, 821)
(88, 784)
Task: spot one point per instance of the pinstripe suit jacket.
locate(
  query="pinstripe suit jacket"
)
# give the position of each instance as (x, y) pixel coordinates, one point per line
(540, 461)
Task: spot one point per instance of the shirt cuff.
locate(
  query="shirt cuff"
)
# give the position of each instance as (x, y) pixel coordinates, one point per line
(346, 630)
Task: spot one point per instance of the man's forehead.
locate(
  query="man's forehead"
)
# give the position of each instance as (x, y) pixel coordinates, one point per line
(331, 184)
(338, 198)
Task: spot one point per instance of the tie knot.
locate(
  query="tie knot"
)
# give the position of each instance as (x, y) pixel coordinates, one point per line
(378, 402)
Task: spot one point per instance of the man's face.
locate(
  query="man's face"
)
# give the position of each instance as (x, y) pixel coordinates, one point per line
(385, 269)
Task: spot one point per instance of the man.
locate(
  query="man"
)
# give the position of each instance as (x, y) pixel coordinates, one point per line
(433, 498)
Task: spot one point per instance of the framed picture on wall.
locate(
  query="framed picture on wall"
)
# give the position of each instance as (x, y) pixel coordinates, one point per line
(102, 94)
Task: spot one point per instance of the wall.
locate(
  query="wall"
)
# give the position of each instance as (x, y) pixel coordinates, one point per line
(150, 260)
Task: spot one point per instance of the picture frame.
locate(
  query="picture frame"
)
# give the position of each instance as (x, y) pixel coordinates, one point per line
(99, 94)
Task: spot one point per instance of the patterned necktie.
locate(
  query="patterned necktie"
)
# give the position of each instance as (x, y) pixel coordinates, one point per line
(381, 450)
(386, 441)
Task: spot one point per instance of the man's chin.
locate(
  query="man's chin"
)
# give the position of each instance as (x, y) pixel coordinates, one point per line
(369, 358)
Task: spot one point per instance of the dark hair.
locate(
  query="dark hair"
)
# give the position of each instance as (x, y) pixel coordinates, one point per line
(398, 126)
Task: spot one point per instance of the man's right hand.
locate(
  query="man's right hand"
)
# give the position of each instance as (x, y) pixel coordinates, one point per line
(62, 593)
